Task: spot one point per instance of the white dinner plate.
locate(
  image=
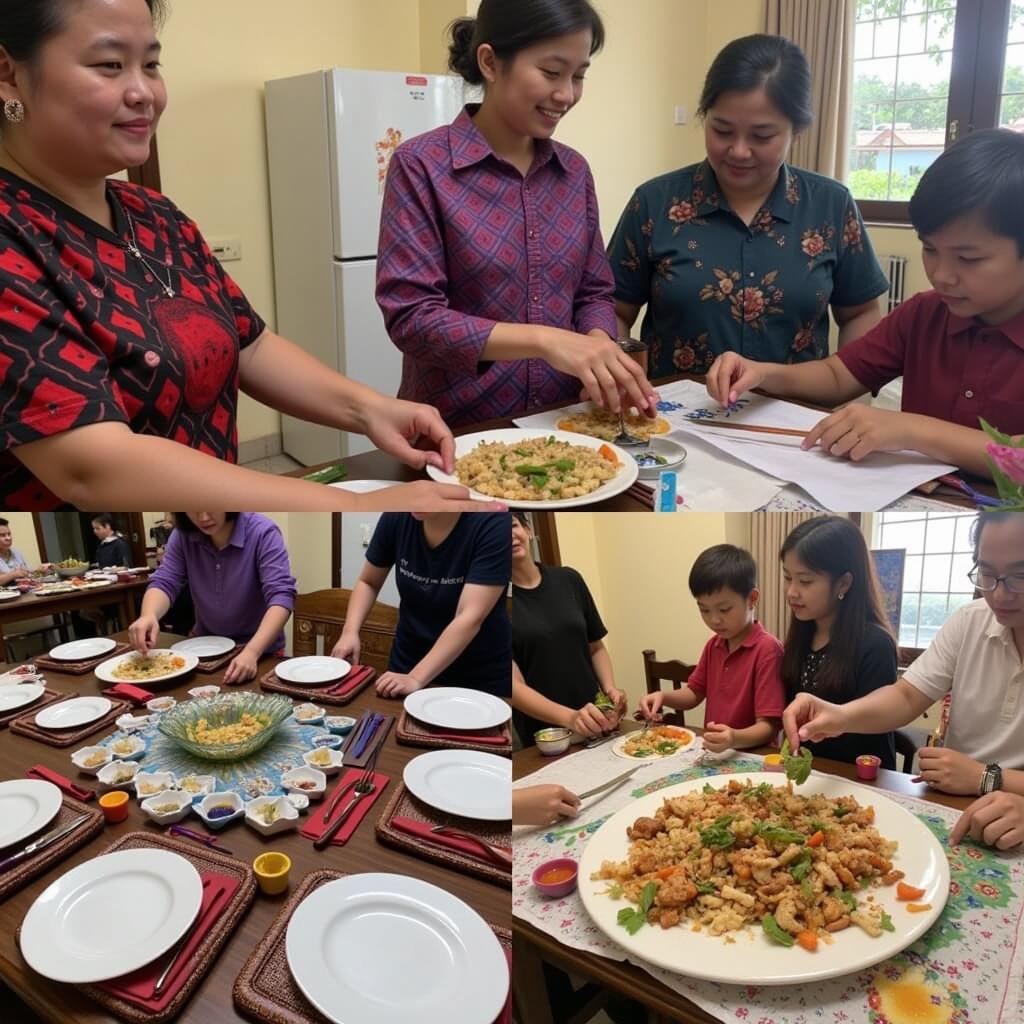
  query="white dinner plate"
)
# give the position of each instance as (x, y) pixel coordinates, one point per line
(66, 714)
(77, 650)
(9, 595)
(626, 476)
(464, 782)
(389, 949)
(313, 670)
(455, 707)
(18, 696)
(752, 959)
(619, 747)
(26, 806)
(204, 646)
(111, 915)
(105, 669)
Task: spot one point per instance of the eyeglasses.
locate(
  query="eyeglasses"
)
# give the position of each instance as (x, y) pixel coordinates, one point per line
(987, 582)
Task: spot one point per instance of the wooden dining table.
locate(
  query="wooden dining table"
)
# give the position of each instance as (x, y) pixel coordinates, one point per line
(378, 465)
(212, 1002)
(534, 948)
(29, 606)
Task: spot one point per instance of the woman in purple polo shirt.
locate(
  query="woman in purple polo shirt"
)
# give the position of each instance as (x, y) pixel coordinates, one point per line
(236, 566)
(492, 276)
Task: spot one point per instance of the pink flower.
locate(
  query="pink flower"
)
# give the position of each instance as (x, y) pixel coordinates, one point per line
(753, 303)
(1008, 460)
(681, 212)
(813, 244)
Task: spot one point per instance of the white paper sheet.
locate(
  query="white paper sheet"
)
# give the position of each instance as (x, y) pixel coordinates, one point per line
(708, 481)
(839, 484)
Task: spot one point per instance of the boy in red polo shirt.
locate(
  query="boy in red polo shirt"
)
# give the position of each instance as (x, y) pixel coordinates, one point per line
(959, 348)
(739, 668)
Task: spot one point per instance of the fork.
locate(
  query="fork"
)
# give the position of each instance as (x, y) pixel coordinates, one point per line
(364, 787)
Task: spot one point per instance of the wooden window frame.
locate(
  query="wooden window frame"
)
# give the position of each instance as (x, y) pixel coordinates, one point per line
(976, 78)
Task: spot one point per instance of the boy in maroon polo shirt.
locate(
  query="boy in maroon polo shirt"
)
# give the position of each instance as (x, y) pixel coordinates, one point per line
(739, 672)
(959, 348)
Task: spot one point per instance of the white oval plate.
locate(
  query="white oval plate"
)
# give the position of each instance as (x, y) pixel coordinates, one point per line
(204, 646)
(456, 707)
(313, 670)
(77, 650)
(618, 748)
(104, 670)
(26, 806)
(348, 942)
(464, 782)
(510, 435)
(9, 595)
(152, 896)
(68, 713)
(760, 961)
(18, 696)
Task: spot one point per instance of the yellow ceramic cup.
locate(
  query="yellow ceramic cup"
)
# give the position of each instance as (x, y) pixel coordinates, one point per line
(272, 872)
(773, 763)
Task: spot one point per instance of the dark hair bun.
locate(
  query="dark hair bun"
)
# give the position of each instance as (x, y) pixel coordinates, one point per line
(462, 51)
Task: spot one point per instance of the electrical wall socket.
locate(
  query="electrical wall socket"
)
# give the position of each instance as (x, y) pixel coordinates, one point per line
(227, 249)
(679, 115)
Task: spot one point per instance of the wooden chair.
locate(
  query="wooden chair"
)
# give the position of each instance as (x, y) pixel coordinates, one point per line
(318, 620)
(675, 671)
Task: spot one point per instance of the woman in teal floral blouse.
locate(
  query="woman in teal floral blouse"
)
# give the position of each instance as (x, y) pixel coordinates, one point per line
(742, 252)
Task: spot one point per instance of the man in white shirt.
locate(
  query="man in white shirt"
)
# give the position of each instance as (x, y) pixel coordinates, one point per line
(12, 564)
(978, 658)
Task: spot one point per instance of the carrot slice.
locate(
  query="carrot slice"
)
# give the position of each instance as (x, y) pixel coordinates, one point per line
(665, 873)
(908, 892)
(607, 453)
(918, 908)
(817, 839)
(809, 941)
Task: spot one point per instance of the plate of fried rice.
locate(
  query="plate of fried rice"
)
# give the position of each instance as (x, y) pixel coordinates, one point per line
(157, 666)
(544, 469)
(744, 879)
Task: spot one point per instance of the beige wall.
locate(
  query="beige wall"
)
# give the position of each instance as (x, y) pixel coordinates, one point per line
(24, 533)
(644, 600)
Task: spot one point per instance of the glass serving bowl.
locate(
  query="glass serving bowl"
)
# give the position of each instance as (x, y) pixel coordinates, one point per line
(181, 723)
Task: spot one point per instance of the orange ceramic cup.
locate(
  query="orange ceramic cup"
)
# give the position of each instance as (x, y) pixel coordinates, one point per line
(272, 872)
(114, 806)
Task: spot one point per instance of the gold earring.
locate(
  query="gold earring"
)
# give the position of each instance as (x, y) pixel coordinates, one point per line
(14, 111)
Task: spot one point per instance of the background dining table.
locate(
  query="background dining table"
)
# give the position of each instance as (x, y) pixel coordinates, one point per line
(534, 948)
(378, 465)
(212, 1001)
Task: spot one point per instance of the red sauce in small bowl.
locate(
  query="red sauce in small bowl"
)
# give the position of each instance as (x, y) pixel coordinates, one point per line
(554, 876)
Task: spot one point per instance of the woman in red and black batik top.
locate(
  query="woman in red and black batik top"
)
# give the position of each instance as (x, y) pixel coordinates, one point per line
(120, 333)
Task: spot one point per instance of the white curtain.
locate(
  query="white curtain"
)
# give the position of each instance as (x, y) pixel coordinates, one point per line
(823, 29)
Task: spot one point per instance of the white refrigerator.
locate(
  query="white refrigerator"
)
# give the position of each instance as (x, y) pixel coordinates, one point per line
(330, 137)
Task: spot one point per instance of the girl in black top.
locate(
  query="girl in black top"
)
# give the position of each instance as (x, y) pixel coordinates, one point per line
(838, 646)
(560, 661)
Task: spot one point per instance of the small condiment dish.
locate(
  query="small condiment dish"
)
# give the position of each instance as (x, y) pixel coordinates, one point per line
(659, 455)
(159, 705)
(562, 874)
(81, 759)
(310, 781)
(308, 714)
(331, 742)
(168, 807)
(128, 748)
(554, 741)
(117, 775)
(340, 725)
(271, 814)
(150, 783)
(197, 786)
(323, 759)
(209, 690)
(210, 805)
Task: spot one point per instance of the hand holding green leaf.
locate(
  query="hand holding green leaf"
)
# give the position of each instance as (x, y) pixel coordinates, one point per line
(798, 766)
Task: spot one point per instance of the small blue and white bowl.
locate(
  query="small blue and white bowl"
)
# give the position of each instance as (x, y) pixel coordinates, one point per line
(340, 725)
(331, 742)
(308, 714)
(213, 800)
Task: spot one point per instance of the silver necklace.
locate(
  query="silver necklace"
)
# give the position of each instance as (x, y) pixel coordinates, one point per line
(133, 248)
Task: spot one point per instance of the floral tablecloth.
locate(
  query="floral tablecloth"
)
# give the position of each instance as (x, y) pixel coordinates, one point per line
(967, 969)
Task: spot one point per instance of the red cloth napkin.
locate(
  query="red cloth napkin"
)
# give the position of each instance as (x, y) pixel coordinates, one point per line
(421, 829)
(125, 691)
(137, 987)
(355, 676)
(505, 1017)
(40, 771)
(315, 826)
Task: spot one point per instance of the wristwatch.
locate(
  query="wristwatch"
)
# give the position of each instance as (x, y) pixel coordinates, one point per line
(992, 779)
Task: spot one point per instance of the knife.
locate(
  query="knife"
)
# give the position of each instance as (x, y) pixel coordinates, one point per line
(590, 744)
(610, 784)
(41, 844)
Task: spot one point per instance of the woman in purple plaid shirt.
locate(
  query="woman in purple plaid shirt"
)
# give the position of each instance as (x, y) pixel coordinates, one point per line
(492, 275)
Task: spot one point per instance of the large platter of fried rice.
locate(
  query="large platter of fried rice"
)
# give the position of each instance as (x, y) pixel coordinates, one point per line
(720, 854)
(544, 469)
(159, 666)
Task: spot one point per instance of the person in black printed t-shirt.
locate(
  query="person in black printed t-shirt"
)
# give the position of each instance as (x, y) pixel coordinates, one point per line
(452, 573)
(123, 343)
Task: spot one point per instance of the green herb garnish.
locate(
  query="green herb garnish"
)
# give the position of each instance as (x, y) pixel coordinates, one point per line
(886, 923)
(848, 898)
(798, 766)
(706, 889)
(807, 891)
(799, 868)
(775, 833)
(775, 931)
(718, 836)
(666, 746)
(708, 788)
(633, 920)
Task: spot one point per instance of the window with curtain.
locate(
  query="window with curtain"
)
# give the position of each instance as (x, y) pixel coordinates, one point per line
(927, 72)
(939, 554)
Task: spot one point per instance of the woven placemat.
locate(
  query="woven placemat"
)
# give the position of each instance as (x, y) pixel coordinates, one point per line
(212, 664)
(26, 725)
(413, 733)
(265, 990)
(206, 952)
(317, 694)
(20, 875)
(404, 804)
(48, 697)
(79, 668)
